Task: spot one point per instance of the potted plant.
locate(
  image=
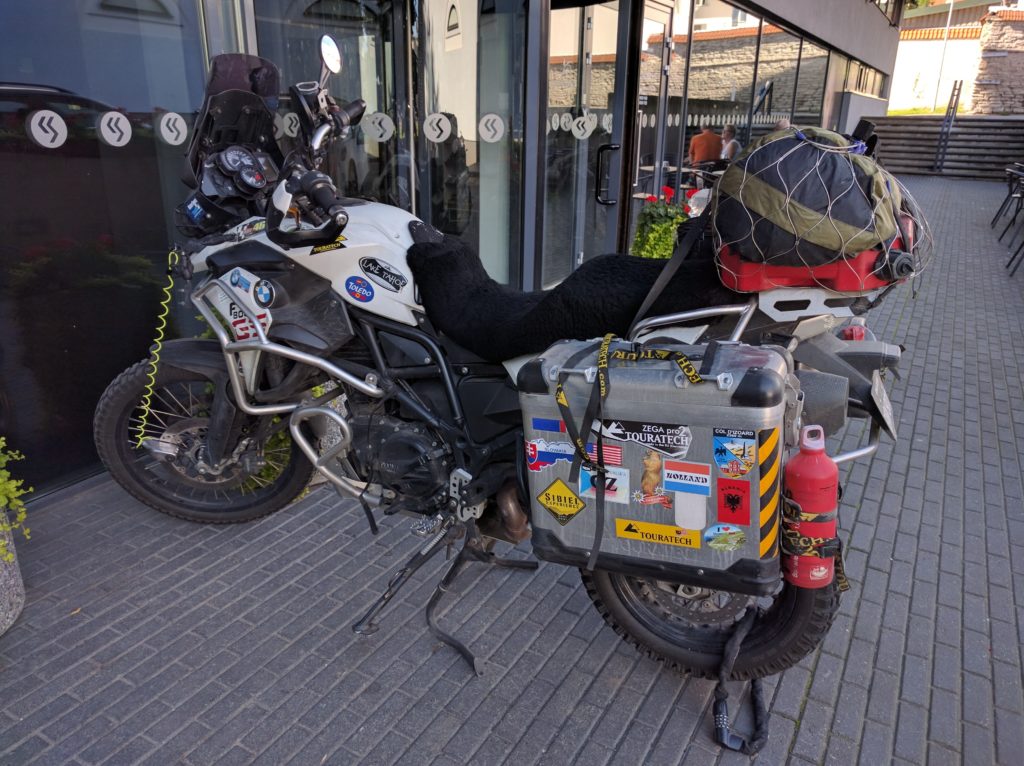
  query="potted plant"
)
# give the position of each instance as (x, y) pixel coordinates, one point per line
(657, 224)
(12, 517)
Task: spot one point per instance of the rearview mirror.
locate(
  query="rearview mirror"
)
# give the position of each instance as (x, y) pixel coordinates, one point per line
(330, 54)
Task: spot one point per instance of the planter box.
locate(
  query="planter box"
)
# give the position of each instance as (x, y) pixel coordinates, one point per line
(12, 588)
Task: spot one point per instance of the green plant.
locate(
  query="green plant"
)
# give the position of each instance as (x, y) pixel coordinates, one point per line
(10, 500)
(656, 226)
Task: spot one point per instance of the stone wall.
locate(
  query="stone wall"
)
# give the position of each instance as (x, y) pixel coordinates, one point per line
(999, 86)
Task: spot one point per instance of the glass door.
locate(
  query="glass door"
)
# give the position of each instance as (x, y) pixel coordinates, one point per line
(582, 149)
(654, 163)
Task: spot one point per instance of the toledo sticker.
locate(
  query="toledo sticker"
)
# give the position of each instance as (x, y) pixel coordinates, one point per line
(694, 478)
(541, 454)
(651, 491)
(725, 537)
(665, 534)
(735, 451)
(674, 441)
(734, 501)
(616, 485)
(561, 502)
(359, 289)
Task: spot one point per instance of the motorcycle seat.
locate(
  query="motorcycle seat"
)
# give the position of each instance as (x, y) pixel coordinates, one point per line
(497, 322)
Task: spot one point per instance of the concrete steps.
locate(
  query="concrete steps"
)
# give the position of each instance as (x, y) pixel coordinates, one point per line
(979, 147)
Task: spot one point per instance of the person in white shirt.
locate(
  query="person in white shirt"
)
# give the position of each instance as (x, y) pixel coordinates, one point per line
(730, 146)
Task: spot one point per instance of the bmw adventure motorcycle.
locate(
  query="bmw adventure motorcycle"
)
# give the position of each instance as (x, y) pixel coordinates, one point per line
(334, 351)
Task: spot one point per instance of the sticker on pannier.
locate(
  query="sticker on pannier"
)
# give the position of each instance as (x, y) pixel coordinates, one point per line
(561, 502)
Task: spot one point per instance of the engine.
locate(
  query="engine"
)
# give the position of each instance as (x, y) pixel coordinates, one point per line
(402, 456)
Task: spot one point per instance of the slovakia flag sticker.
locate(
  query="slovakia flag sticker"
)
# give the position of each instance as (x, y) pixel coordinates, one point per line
(541, 454)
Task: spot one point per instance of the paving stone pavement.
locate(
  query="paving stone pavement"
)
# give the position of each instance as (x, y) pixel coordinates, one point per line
(152, 640)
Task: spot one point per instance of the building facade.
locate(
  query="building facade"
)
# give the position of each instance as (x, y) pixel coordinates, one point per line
(532, 129)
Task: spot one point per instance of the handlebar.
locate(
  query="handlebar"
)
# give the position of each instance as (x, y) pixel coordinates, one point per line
(350, 114)
(319, 188)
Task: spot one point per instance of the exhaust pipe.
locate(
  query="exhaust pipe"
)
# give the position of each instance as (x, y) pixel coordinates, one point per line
(513, 517)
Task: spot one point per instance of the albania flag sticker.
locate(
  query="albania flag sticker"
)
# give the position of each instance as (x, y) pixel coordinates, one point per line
(733, 501)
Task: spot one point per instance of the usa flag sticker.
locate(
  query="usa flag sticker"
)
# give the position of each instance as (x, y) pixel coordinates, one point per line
(694, 478)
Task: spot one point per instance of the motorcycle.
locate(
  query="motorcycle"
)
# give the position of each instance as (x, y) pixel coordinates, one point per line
(327, 357)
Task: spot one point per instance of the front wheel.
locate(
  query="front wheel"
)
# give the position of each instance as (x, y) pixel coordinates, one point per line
(265, 471)
(687, 627)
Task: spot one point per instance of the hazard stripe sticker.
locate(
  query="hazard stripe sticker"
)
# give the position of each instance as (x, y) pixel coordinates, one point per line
(769, 454)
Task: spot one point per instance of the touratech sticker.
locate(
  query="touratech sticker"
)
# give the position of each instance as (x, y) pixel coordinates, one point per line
(665, 534)
(359, 289)
(541, 454)
(616, 485)
(674, 441)
(725, 537)
(335, 245)
(735, 451)
(651, 491)
(734, 501)
(694, 478)
(384, 274)
(561, 502)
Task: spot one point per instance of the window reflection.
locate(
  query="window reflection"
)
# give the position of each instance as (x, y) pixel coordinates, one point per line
(810, 88)
(776, 76)
(721, 81)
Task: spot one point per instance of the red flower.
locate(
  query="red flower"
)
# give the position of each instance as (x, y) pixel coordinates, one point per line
(651, 198)
(669, 192)
(691, 192)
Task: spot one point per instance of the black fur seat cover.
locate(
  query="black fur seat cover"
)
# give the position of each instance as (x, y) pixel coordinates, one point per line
(497, 322)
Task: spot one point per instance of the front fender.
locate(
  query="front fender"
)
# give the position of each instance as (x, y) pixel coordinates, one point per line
(204, 357)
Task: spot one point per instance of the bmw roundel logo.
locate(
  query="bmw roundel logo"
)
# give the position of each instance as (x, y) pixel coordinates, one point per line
(360, 289)
(235, 276)
(263, 293)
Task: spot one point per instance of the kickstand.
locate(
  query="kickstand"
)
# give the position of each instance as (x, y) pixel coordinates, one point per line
(367, 625)
(473, 549)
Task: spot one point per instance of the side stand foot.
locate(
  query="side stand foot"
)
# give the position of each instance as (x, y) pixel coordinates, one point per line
(472, 550)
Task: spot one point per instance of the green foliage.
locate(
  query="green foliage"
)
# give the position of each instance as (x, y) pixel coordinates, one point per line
(656, 227)
(10, 500)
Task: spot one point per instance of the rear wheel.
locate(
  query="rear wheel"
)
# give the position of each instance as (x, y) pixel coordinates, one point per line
(172, 474)
(687, 627)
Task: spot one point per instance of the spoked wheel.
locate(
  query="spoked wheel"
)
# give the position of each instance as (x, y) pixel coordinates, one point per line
(171, 470)
(687, 627)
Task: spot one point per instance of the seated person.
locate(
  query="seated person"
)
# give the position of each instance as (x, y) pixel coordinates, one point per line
(730, 146)
(706, 146)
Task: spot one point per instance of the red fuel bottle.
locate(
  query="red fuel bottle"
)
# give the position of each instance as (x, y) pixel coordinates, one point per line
(811, 480)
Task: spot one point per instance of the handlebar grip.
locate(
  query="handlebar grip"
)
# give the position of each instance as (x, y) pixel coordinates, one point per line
(351, 113)
(319, 188)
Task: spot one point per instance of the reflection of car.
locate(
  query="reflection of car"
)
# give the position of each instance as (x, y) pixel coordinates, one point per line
(19, 100)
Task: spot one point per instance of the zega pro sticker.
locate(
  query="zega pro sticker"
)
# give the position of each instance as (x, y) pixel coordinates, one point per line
(670, 440)
(616, 485)
(359, 289)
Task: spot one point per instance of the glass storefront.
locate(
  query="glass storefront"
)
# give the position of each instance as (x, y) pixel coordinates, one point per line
(97, 101)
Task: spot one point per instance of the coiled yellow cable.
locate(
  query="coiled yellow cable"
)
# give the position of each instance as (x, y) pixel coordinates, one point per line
(158, 341)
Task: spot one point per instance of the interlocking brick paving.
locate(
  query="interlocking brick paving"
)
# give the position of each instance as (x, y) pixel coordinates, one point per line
(152, 640)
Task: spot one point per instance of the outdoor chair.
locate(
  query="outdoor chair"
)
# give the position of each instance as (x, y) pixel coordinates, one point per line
(1014, 195)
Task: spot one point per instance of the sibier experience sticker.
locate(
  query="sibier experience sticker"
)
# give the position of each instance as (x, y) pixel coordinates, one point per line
(561, 502)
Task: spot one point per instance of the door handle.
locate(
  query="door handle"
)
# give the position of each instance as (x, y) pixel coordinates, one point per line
(599, 181)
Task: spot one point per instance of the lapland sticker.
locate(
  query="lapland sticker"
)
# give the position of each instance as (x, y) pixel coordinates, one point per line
(616, 485)
(725, 537)
(651, 491)
(673, 441)
(735, 451)
(541, 454)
